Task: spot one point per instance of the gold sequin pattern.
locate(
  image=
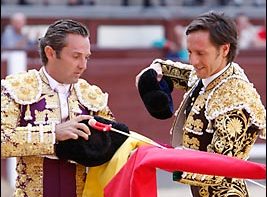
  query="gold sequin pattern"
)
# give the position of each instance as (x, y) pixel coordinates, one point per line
(24, 87)
(235, 116)
(30, 177)
(91, 96)
(26, 142)
(237, 94)
(232, 137)
(80, 179)
(201, 180)
(179, 76)
(228, 187)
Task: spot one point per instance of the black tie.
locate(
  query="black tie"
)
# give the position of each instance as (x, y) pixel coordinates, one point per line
(192, 97)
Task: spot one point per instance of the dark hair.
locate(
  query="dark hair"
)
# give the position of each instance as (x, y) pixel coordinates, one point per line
(222, 30)
(56, 34)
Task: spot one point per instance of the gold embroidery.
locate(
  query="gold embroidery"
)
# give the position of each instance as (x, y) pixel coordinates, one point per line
(14, 141)
(229, 188)
(9, 111)
(91, 96)
(80, 179)
(198, 180)
(200, 102)
(192, 143)
(53, 116)
(51, 101)
(74, 105)
(182, 75)
(204, 192)
(238, 94)
(192, 124)
(40, 117)
(24, 87)
(106, 113)
(30, 176)
(232, 136)
(234, 116)
(234, 126)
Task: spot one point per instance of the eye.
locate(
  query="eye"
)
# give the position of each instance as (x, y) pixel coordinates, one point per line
(200, 53)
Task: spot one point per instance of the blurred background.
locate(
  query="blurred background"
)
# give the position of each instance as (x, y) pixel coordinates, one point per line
(126, 36)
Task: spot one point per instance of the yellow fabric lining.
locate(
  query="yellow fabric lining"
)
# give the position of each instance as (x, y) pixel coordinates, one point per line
(98, 177)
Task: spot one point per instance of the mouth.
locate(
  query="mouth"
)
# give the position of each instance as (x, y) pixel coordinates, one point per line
(198, 69)
(77, 74)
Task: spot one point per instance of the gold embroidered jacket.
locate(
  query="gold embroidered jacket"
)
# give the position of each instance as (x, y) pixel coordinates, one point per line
(29, 111)
(226, 118)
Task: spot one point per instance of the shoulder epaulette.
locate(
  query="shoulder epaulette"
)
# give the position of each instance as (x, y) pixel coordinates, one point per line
(91, 96)
(236, 93)
(24, 87)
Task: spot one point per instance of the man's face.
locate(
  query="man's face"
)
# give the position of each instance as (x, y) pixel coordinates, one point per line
(204, 56)
(72, 61)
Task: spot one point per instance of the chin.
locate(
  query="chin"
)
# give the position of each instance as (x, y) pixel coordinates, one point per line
(202, 76)
(74, 80)
(199, 76)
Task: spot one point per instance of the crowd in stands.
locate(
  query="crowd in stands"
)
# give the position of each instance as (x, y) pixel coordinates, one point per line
(175, 49)
(144, 3)
(225, 2)
(13, 36)
(249, 36)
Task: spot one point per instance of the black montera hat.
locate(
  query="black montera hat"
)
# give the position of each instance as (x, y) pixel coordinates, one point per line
(155, 95)
(98, 149)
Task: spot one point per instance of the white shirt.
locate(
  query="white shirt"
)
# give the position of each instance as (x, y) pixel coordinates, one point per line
(63, 91)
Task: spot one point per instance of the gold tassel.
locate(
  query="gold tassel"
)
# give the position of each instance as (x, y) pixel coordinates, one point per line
(28, 113)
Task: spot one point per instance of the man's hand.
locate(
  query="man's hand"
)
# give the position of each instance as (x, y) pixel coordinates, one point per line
(72, 129)
(156, 67)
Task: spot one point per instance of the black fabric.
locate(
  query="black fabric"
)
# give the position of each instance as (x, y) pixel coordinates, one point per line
(98, 149)
(177, 175)
(155, 95)
(193, 96)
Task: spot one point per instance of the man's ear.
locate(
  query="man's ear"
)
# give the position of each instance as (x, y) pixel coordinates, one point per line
(225, 49)
(50, 52)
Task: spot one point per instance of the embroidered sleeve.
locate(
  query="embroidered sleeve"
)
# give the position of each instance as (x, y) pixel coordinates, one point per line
(22, 141)
(182, 75)
(233, 136)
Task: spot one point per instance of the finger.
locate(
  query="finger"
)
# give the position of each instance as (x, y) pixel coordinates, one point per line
(157, 60)
(84, 128)
(74, 136)
(157, 68)
(82, 134)
(83, 117)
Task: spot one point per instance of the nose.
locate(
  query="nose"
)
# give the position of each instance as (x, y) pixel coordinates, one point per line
(83, 64)
(193, 59)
